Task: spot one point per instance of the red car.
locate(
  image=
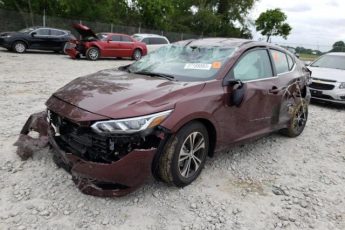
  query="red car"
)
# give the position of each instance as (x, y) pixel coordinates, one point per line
(164, 114)
(102, 45)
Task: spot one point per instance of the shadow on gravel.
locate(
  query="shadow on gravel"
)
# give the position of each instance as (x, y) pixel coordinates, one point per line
(326, 105)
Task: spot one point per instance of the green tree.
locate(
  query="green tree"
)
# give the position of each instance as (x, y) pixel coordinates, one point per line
(273, 23)
(338, 46)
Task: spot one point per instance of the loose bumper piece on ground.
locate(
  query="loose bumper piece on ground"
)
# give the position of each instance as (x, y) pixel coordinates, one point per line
(99, 179)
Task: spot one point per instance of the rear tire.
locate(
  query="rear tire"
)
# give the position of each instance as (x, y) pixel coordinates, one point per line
(137, 54)
(19, 47)
(298, 120)
(184, 155)
(92, 53)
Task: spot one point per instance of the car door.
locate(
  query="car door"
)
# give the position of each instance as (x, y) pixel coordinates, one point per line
(40, 39)
(156, 43)
(112, 46)
(287, 83)
(57, 39)
(126, 46)
(254, 116)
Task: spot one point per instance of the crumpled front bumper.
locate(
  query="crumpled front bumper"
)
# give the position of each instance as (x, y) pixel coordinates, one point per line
(73, 53)
(99, 179)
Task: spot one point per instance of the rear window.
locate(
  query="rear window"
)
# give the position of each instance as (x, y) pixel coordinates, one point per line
(116, 38)
(57, 32)
(126, 39)
(280, 61)
(158, 41)
(146, 41)
(43, 32)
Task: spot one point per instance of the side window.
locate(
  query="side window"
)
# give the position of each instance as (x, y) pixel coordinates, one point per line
(290, 61)
(280, 61)
(116, 38)
(43, 32)
(146, 41)
(126, 39)
(254, 65)
(57, 32)
(158, 41)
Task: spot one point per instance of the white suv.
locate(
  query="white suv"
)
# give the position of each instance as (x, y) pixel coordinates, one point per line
(153, 41)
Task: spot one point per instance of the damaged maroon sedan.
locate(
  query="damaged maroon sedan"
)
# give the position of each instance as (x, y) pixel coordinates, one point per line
(164, 114)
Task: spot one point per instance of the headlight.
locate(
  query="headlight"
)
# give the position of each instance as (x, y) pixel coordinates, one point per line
(342, 85)
(131, 125)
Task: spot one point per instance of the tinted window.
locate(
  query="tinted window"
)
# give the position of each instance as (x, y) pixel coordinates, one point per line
(116, 38)
(290, 61)
(126, 39)
(280, 61)
(146, 40)
(254, 65)
(43, 32)
(158, 41)
(57, 32)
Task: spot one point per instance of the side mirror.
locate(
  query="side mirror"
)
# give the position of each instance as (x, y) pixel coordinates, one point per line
(33, 34)
(237, 92)
(297, 55)
(109, 40)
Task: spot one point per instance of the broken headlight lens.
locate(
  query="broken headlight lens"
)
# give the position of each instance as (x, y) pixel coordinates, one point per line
(342, 85)
(130, 125)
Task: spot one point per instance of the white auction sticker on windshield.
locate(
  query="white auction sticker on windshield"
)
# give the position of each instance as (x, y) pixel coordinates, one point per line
(198, 66)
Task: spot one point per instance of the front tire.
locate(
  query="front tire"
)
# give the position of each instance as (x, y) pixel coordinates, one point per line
(93, 53)
(298, 120)
(184, 155)
(19, 47)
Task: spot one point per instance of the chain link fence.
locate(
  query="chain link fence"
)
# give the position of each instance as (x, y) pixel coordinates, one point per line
(14, 21)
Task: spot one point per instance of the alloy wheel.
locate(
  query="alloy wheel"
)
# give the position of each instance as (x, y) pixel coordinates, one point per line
(300, 119)
(93, 54)
(19, 47)
(137, 54)
(191, 154)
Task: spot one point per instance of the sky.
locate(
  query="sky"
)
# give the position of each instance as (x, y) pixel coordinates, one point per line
(315, 24)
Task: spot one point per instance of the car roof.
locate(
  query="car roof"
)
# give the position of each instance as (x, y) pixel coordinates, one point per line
(149, 35)
(50, 28)
(336, 53)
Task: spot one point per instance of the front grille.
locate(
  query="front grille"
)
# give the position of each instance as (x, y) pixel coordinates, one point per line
(322, 96)
(88, 145)
(321, 86)
(326, 80)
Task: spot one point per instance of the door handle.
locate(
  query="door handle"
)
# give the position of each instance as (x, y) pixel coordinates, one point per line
(276, 90)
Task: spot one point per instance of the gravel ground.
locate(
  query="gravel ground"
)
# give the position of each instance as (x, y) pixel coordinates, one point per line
(273, 183)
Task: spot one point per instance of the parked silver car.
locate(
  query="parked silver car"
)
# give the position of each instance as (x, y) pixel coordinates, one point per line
(152, 41)
(328, 78)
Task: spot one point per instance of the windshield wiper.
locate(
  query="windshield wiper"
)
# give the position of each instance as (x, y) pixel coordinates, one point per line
(152, 74)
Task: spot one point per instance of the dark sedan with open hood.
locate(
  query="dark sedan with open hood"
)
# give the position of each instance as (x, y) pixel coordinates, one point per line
(164, 114)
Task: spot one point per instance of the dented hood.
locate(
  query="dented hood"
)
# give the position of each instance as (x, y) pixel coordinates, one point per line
(84, 31)
(118, 94)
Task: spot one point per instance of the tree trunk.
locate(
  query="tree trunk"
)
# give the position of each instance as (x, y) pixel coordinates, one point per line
(21, 13)
(31, 13)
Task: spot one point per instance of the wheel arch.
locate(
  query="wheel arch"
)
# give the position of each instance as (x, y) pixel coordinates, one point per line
(20, 40)
(209, 125)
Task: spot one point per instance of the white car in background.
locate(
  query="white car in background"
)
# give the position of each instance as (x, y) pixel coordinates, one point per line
(328, 78)
(152, 41)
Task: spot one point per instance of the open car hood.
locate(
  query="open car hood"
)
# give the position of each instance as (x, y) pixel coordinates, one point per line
(84, 31)
(118, 94)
